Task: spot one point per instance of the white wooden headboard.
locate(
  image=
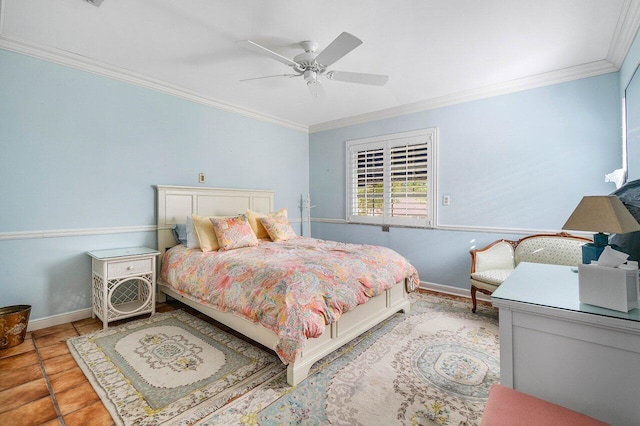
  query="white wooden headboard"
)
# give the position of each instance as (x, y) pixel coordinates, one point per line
(175, 203)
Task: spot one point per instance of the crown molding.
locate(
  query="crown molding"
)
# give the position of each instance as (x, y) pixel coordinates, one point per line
(625, 33)
(554, 77)
(100, 68)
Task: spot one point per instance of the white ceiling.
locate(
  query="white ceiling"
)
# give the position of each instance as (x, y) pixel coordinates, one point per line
(436, 52)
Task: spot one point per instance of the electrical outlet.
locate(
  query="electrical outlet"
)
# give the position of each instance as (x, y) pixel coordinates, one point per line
(385, 228)
(201, 177)
(446, 200)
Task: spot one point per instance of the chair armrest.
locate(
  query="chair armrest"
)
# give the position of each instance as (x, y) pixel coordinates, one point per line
(497, 255)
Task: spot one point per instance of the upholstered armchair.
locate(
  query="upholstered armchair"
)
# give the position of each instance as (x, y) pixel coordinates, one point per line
(491, 265)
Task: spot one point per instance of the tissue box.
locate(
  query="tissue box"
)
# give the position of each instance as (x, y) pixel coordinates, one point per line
(612, 288)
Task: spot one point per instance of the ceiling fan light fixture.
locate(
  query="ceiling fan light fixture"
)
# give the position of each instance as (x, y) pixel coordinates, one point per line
(310, 76)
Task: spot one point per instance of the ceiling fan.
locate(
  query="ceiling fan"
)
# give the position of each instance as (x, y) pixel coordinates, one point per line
(310, 65)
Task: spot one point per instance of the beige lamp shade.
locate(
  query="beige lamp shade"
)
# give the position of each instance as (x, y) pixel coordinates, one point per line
(602, 213)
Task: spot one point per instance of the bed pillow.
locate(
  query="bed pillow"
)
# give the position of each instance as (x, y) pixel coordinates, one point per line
(278, 227)
(233, 232)
(206, 234)
(180, 233)
(257, 227)
(192, 237)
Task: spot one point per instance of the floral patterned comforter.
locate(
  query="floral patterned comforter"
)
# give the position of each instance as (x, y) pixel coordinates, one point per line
(293, 287)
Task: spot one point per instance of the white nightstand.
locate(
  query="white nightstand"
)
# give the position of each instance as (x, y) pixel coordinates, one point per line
(123, 282)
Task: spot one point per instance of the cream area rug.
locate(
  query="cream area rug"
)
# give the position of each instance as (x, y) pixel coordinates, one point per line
(432, 367)
(171, 368)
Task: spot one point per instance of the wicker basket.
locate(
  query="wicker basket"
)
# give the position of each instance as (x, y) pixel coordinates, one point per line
(13, 325)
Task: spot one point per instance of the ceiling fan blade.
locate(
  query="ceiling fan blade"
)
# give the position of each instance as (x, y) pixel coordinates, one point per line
(357, 77)
(316, 89)
(271, 76)
(255, 47)
(339, 47)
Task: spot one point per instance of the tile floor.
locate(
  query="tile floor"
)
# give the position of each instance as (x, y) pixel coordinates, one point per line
(41, 384)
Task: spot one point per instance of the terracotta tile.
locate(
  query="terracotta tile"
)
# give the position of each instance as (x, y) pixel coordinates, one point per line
(163, 307)
(18, 361)
(52, 338)
(23, 347)
(54, 350)
(52, 330)
(33, 413)
(86, 321)
(75, 398)
(67, 379)
(58, 364)
(20, 395)
(88, 325)
(94, 414)
(88, 328)
(18, 376)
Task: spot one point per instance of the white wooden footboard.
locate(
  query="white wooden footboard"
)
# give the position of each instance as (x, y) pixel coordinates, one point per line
(349, 326)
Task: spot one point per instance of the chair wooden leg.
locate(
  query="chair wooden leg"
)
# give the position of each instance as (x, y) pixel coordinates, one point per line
(473, 299)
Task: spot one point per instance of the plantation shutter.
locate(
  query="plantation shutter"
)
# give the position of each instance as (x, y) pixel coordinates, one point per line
(367, 164)
(408, 199)
(391, 179)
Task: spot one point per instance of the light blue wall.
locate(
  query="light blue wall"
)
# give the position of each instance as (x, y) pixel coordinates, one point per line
(519, 162)
(630, 64)
(82, 151)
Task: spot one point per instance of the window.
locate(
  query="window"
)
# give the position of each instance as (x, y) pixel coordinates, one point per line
(391, 179)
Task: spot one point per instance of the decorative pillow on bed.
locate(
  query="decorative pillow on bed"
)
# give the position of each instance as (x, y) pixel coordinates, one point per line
(180, 233)
(233, 232)
(192, 237)
(278, 227)
(257, 227)
(206, 234)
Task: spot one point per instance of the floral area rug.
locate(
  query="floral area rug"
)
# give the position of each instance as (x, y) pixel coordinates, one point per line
(171, 368)
(432, 367)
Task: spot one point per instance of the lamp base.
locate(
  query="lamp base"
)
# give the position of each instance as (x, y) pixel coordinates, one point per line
(591, 252)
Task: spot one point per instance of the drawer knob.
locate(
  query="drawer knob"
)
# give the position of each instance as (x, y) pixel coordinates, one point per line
(129, 268)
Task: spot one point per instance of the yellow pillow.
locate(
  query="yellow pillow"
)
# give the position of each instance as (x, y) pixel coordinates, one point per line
(257, 227)
(278, 227)
(205, 232)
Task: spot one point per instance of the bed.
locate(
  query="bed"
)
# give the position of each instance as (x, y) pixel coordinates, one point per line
(175, 203)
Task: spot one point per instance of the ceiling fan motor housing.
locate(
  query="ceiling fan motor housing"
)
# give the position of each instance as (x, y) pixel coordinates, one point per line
(307, 61)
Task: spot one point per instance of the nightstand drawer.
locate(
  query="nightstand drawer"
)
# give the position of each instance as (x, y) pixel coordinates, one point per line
(129, 267)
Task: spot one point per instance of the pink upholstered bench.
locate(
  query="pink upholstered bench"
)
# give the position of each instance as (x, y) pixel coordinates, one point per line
(508, 407)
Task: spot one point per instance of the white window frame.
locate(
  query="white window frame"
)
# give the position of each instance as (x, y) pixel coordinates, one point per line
(386, 142)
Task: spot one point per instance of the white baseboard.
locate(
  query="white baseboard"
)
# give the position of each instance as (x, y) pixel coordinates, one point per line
(72, 316)
(455, 291)
(59, 319)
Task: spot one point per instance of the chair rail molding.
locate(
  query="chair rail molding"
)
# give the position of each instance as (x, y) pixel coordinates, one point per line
(57, 233)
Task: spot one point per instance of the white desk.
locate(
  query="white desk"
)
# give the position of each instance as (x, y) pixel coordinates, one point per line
(579, 356)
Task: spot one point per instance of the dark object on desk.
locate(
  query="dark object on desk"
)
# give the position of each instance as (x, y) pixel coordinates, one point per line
(629, 243)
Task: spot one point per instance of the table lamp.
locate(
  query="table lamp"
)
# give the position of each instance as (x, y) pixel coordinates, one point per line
(604, 214)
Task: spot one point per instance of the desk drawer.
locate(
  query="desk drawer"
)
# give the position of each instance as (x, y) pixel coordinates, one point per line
(129, 267)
